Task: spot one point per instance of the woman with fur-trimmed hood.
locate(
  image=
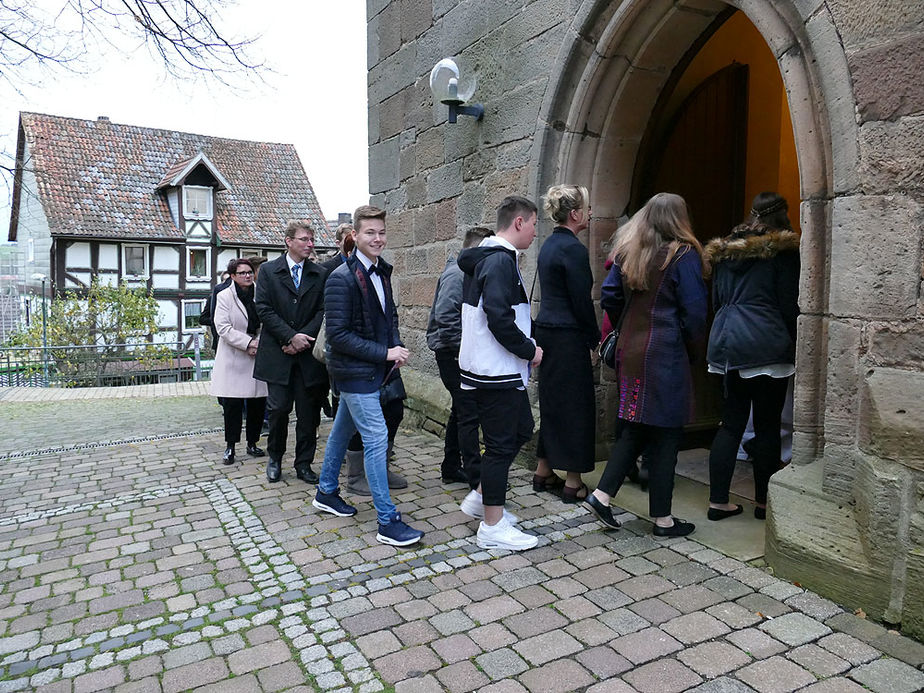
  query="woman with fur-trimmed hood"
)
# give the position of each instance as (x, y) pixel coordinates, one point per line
(752, 343)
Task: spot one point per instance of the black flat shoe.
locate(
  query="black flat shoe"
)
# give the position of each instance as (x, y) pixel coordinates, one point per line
(228, 457)
(254, 451)
(306, 474)
(454, 476)
(273, 470)
(551, 483)
(602, 512)
(716, 514)
(678, 529)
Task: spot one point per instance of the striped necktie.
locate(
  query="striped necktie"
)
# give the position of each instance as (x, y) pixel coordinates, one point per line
(295, 270)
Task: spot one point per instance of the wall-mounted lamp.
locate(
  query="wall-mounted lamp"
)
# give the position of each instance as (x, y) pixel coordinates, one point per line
(449, 86)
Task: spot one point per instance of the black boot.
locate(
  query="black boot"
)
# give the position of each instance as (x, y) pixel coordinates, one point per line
(228, 457)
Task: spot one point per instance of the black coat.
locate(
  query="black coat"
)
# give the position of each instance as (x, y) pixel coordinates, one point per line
(359, 333)
(566, 283)
(755, 292)
(284, 312)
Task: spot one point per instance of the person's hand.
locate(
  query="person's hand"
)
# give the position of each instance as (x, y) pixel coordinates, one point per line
(289, 349)
(398, 354)
(252, 347)
(537, 357)
(300, 342)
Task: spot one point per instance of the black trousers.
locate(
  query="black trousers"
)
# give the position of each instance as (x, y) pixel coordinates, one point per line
(234, 409)
(660, 445)
(307, 402)
(462, 446)
(506, 424)
(767, 396)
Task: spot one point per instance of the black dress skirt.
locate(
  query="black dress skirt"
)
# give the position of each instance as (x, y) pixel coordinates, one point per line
(567, 405)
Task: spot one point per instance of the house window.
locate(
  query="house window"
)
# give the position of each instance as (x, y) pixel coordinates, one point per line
(197, 202)
(135, 261)
(192, 309)
(197, 266)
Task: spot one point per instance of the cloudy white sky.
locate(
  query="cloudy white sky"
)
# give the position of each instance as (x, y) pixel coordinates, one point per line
(314, 99)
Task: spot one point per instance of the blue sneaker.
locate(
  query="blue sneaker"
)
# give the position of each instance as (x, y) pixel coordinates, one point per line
(396, 533)
(332, 503)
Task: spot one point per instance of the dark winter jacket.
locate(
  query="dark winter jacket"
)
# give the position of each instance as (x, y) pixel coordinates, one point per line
(566, 284)
(496, 347)
(359, 334)
(444, 328)
(755, 293)
(285, 311)
(661, 335)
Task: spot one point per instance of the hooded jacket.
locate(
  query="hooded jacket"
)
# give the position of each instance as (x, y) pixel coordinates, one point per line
(444, 328)
(755, 293)
(496, 348)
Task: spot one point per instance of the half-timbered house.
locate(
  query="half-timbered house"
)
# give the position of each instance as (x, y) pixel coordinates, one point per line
(157, 209)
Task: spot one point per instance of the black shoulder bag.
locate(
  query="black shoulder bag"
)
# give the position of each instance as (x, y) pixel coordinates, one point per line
(607, 349)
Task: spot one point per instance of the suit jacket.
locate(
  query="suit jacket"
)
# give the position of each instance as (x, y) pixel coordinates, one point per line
(232, 374)
(285, 311)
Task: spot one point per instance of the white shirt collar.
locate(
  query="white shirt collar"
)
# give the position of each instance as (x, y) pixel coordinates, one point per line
(367, 262)
(292, 263)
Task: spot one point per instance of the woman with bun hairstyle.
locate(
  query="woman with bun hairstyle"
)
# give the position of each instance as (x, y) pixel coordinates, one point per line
(566, 329)
(658, 270)
(752, 343)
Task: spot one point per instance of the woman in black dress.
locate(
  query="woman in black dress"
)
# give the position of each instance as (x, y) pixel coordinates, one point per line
(567, 331)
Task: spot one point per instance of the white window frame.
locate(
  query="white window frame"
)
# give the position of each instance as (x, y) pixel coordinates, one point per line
(199, 214)
(208, 263)
(144, 253)
(197, 327)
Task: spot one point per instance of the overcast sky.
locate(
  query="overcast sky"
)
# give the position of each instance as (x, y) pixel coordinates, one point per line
(316, 99)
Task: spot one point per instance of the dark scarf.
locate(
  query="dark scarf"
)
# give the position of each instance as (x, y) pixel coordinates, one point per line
(246, 296)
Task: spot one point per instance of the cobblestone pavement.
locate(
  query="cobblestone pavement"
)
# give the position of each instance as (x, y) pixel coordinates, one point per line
(148, 566)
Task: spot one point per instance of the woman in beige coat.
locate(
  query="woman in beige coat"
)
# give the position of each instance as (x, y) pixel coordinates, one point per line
(238, 328)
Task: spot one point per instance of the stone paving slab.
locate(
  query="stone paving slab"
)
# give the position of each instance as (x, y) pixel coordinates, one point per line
(149, 566)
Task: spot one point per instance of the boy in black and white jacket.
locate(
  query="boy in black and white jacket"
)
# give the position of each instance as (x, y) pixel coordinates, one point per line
(495, 357)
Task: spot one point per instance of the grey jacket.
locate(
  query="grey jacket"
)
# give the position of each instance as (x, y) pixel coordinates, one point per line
(444, 330)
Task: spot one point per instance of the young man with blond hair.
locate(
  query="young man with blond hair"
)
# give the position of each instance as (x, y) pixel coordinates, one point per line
(364, 351)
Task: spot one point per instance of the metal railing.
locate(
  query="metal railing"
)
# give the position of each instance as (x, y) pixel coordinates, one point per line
(88, 365)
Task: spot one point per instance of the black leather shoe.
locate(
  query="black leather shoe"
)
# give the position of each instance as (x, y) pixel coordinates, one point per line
(678, 529)
(228, 457)
(306, 474)
(716, 514)
(273, 470)
(254, 451)
(601, 512)
(455, 476)
(760, 513)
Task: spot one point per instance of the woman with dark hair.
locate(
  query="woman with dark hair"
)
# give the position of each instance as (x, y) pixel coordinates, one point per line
(658, 272)
(567, 331)
(752, 344)
(238, 328)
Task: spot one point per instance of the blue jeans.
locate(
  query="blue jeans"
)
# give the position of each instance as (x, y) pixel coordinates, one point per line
(362, 412)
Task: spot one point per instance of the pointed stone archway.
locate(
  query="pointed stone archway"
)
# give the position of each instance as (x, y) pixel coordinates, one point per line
(615, 62)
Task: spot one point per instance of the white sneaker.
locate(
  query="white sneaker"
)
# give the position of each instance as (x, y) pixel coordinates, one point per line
(472, 506)
(504, 535)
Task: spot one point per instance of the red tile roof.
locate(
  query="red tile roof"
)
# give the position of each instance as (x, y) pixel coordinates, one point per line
(99, 179)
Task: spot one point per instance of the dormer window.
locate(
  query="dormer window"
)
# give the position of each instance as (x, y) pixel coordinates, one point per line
(197, 202)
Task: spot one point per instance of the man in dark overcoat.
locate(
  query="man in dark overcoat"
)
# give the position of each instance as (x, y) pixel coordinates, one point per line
(290, 303)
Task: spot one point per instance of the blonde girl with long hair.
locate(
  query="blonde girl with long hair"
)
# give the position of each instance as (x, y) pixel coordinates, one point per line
(658, 271)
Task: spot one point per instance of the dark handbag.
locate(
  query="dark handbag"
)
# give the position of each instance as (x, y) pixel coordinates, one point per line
(392, 388)
(607, 349)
